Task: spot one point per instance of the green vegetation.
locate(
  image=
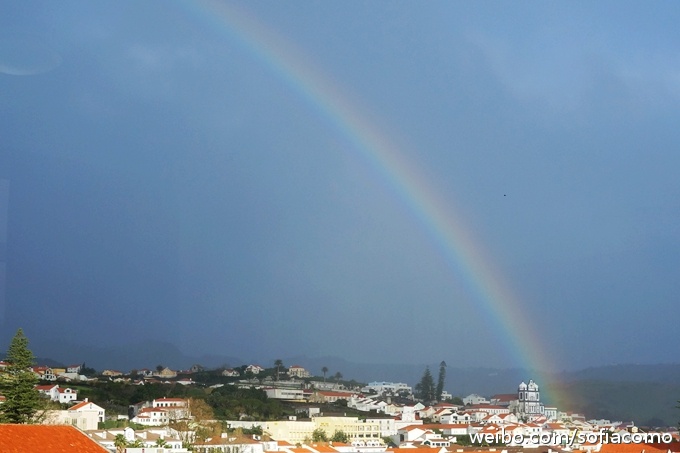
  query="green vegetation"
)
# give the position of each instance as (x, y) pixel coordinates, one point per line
(457, 400)
(278, 364)
(440, 380)
(319, 435)
(425, 389)
(17, 384)
(231, 402)
(340, 436)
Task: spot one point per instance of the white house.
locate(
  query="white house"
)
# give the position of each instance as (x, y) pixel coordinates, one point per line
(408, 417)
(474, 399)
(456, 429)
(55, 393)
(84, 415)
(150, 416)
(51, 391)
(88, 407)
(67, 395)
(176, 408)
(437, 416)
(74, 369)
(255, 369)
(298, 371)
(501, 419)
(456, 418)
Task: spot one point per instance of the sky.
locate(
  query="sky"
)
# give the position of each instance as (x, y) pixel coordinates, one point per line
(485, 183)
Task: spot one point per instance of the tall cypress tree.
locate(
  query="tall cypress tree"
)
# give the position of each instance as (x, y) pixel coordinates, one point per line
(17, 384)
(441, 379)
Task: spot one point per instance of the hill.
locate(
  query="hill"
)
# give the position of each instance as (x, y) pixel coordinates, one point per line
(645, 394)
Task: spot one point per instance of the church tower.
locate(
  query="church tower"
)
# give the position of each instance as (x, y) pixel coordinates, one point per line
(529, 398)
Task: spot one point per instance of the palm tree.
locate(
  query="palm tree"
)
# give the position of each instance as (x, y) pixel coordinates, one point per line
(120, 443)
(160, 442)
(278, 364)
(137, 443)
(324, 370)
(337, 377)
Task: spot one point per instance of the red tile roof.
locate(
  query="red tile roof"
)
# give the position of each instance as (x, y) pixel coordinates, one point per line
(43, 438)
(640, 448)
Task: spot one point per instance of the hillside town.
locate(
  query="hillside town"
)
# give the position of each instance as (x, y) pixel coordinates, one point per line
(323, 415)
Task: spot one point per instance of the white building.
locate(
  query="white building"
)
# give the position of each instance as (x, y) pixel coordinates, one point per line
(84, 415)
(255, 369)
(456, 418)
(386, 425)
(149, 437)
(285, 394)
(474, 399)
(529, 399)
(150, 416)
(388, 387)
(298, 371)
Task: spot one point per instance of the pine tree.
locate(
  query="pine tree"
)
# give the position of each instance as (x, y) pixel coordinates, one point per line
(425, 388)
(17, 384)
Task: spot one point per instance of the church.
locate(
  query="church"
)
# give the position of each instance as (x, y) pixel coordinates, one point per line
(529, 400)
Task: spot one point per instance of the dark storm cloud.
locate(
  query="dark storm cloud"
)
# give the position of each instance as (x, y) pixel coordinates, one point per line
(168, 184)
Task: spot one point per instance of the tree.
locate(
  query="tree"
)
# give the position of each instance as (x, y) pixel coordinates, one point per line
(319, 435)
(457, 400)
(120, 443)
(87, 371)
(17, 385)
(324, 370)
(137, 443)
(425, 388)
(195, 424)
(278, 364)
(340, 436)
(337, 377)
(440, 380)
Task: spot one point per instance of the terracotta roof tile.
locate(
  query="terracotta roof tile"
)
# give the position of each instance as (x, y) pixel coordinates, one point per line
(42, 438)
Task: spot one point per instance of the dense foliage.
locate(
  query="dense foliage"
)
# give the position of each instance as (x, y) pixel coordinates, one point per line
(319, 435)
(440, 380)
(231, 402)
(425, 389)
(17, 384)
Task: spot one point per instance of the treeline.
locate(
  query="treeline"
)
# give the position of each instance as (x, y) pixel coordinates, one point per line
(230, 402)
(227, 402)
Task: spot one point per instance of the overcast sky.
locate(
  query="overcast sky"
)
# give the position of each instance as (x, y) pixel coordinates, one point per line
(168, 171)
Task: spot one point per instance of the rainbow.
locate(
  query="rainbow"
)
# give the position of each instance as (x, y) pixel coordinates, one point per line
(438, 217)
